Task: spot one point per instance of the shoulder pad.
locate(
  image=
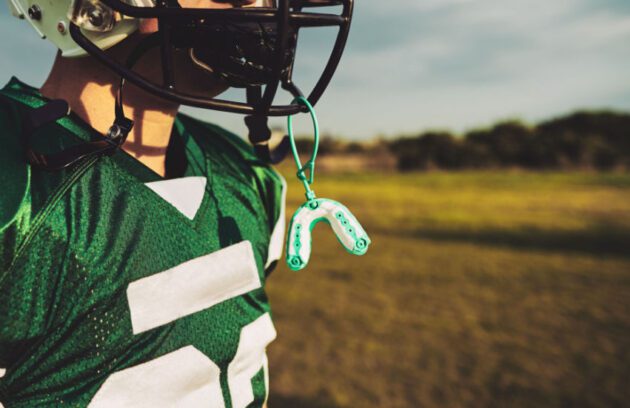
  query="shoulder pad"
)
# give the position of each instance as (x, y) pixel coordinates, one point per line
(14, 170)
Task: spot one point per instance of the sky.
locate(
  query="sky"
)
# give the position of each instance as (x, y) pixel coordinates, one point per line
(415, 65)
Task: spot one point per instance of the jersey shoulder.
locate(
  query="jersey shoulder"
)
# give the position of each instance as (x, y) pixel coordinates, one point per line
(25, 190)
(231, 150)
(236, 154)
(215, 138)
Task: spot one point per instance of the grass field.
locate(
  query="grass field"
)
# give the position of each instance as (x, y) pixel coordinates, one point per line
(480, 289)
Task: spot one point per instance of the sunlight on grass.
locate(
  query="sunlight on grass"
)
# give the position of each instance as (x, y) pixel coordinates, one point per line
(479, 289)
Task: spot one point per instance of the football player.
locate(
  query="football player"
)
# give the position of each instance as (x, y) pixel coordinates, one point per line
(135, 241)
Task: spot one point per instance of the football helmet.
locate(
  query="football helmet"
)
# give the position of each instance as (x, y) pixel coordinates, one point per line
(250, 45)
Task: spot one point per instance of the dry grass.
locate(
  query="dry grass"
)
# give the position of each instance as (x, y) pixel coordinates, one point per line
(480, 289)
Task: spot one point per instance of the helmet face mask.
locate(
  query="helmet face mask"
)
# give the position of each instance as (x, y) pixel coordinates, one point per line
(247, 44)
(246, 47)
(241, 54)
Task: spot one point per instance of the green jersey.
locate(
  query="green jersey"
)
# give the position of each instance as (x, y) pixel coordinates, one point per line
(119, 288)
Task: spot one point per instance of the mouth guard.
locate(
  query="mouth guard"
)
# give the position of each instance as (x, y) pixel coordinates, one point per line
(344, 224)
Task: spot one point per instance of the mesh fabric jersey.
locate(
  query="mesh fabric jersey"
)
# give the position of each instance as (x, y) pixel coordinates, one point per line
(119, 288)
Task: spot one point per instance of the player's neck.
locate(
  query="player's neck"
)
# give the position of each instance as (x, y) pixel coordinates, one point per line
(90, 89)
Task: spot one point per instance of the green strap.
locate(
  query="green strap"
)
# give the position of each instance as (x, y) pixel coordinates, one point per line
(310, 164)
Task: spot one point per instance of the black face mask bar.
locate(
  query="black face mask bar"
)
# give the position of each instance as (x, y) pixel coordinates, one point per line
(236, 29)
(223, 38)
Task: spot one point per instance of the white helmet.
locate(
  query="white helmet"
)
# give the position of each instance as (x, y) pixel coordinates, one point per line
(51, 18)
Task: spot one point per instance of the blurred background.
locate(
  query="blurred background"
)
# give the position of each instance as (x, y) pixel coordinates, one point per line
(485, 147)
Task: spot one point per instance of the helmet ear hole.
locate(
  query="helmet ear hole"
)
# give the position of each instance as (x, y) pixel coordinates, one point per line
(93, 15)
(52, 19)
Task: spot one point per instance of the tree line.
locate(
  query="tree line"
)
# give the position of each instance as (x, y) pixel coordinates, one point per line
(593, 140)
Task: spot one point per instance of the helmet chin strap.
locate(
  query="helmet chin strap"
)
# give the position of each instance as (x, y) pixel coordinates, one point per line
(259, 132)
(57, 109)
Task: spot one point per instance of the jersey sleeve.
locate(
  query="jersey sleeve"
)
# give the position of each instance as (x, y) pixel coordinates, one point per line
(14, 182)
(269, 183)
(15, 215)
(273, 190)
(28, 276)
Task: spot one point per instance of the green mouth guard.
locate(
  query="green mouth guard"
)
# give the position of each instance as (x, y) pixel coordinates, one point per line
(348, 230)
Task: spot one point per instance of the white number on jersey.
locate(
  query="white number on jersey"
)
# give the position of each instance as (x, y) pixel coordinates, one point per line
(187, 377)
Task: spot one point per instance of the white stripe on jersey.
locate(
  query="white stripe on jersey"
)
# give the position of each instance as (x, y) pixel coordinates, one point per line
(185, 194)
(250, 358)
(276, 244)
(192, 286)
(3, 371)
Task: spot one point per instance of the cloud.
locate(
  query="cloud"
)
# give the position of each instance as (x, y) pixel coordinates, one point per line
(459, 64)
